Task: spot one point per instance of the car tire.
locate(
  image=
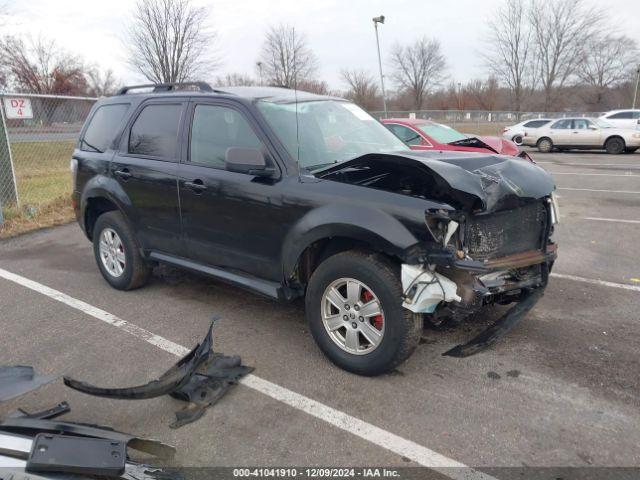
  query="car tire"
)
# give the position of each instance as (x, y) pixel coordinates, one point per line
(117, 253)
(545, 145)
(614, 146)
(517, 139)
(379, 281)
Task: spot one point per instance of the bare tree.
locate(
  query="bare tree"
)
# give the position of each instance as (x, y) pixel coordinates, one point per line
(484, 93)
(319, 87)
(101, 83)
(169, 42)
(363, 88)
(286, 59)
(562, 29)
(419, 67)
(510, 49)
(40, 66)
(609, 60)
(236, 80)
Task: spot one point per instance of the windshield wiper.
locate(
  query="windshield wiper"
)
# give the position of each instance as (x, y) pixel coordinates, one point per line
(320, 166)
(95, 149)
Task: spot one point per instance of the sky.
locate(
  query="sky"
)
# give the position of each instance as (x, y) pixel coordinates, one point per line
(340, 32)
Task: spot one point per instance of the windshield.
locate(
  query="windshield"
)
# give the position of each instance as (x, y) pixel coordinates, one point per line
(441, 133)
(602, 123)
(330, 131)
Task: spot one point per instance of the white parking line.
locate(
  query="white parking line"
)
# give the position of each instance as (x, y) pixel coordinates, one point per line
(597, 174)
(596, 190)
(593, 281)
(382, 438)
(562, 164)
(615, 220)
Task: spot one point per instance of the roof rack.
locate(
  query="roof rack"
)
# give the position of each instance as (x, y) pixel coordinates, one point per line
(169, 87)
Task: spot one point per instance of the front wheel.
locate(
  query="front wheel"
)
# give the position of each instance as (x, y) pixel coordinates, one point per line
(355, 314)
(117, 253)
(614, 146)
(545, 145)
(517, 139)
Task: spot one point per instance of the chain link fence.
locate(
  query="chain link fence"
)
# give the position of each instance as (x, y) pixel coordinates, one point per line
(37, 137)
(38, 134)
(479, 122)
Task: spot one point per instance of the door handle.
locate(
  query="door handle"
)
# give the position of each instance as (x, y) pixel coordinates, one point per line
(197, 185)
(124, 174)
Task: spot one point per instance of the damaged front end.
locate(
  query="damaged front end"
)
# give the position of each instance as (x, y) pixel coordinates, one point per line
(490, 243)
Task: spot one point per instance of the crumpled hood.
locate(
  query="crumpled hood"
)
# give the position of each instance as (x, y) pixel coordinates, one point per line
(488, 182)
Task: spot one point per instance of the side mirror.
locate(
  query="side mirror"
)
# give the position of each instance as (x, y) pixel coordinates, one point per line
(247, 160)
(593, 127)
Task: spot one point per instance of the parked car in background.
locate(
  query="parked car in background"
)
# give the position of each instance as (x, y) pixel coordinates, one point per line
(516, 132)
(584, 134)
(421, 134)
(622, 118)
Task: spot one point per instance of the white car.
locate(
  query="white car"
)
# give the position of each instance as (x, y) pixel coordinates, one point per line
(583, 133)
(515, 133)
(622, 118)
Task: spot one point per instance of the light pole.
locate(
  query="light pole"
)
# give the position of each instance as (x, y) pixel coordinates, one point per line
(377, 20)
(635, 92)
(259, 65)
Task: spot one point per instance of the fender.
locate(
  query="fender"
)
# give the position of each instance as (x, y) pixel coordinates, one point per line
(376, 227)
(102, 186)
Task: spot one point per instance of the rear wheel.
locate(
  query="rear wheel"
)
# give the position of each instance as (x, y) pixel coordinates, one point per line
(355, 314)
(117, 253)
(614, 145)
(545, 145)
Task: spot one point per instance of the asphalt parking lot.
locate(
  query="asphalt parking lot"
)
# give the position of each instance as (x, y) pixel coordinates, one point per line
(562, 389)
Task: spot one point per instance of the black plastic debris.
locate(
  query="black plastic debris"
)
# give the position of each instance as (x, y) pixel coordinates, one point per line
(212, 380)
(173, 379)
(201, 378)
(47, 414)
(84, 456)
(20, 379)
(501, 327)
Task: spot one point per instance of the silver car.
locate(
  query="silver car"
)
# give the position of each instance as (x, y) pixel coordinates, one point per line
(585, 134)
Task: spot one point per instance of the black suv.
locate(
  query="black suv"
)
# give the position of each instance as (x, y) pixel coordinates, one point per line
(291, 194)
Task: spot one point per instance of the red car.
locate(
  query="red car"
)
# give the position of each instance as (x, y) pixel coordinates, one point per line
(427, 135)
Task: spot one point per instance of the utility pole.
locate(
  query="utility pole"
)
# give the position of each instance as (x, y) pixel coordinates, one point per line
(259, 65)
(377, 20)
(635, 92)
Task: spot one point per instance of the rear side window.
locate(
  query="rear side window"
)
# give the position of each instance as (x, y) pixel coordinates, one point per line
(621, 116)
(564, 124)
(155, 131)
(405, 134)
(536, 123)
(103, 127)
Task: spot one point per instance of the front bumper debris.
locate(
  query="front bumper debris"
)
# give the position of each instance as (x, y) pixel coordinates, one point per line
(423, 289)
(201, 378)
(499, 328)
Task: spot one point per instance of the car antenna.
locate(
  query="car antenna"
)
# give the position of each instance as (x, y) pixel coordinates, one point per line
(295, 96)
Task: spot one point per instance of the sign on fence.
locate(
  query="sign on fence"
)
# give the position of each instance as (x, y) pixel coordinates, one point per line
(18, 108)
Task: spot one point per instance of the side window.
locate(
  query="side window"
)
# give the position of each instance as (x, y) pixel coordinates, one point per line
(535, 123)
(636, 115)
(405, 134)
(581, 124)
(103, 127)
(155, 131)
(562, 124)
(214, 130)
(621, 116)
